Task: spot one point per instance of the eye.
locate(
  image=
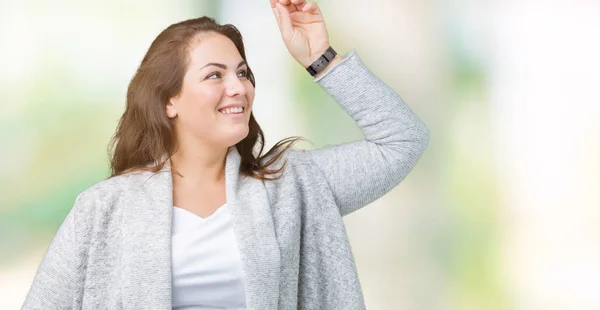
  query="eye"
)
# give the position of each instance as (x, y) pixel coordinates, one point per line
(217, 74)
(244, 73)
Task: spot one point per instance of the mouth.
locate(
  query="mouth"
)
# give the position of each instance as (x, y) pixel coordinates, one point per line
(235, 111)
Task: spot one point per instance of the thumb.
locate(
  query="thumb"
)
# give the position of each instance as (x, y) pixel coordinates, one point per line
(283, 20)
(276, 13)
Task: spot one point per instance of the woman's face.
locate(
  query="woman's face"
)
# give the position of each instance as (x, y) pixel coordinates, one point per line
(216, 77)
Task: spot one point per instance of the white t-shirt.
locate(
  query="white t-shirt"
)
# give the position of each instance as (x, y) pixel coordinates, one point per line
(206, 265)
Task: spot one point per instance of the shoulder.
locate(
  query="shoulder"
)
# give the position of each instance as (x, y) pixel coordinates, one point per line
(300, 159)
(108, 191)
(298, 168)
(292, 158)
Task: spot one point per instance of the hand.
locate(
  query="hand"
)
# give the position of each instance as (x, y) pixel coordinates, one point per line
(302, 28)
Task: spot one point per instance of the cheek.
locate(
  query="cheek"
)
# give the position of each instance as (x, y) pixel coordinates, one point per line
(197, 108)
(250, 94)
(202, 99)
(208, 97)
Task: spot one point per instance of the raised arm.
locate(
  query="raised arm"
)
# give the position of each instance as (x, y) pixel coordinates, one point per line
(362, 171)
(395, 138)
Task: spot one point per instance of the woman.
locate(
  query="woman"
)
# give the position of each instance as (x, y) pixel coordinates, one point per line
(192, 218)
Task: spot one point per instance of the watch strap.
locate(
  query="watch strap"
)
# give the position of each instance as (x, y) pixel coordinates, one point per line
(321, 62)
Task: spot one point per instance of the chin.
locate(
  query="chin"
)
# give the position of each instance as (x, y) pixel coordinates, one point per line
(238, 135)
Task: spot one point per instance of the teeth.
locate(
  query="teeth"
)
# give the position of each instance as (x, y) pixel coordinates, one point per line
(232, 110)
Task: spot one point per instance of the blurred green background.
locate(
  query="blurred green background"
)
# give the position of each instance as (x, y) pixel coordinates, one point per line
(501, 211)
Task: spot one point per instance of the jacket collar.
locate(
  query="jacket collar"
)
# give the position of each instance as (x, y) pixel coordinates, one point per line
(146, 231)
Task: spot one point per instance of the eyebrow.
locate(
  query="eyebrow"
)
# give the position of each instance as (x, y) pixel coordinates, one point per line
(222, 66)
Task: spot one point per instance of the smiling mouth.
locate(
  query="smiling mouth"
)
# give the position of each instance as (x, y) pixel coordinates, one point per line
(233, 111)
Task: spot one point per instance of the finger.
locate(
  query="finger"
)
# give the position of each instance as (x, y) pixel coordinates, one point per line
(273, 3)
(285, 22)
(310, 7)
(298, 4)
(290, 4)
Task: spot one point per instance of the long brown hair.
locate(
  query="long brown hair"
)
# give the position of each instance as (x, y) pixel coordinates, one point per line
(145, 136)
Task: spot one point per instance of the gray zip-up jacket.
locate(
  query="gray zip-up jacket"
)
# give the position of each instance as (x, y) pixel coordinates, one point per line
(113, 250)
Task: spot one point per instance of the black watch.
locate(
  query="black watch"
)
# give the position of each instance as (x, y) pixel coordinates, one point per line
(322, 62)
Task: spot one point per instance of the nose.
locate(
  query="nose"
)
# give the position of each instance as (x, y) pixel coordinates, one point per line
(234, 86)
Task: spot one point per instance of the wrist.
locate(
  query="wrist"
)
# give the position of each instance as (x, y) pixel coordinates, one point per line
(337, 59)
(323, 61)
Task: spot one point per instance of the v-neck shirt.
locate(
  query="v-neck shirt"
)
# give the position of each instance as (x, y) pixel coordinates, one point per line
(205, 261)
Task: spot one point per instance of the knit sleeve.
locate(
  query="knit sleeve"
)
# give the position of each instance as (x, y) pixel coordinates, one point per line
(395, 138)
(55, 282)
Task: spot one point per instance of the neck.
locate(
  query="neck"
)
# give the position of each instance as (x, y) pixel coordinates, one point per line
(198, 167)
